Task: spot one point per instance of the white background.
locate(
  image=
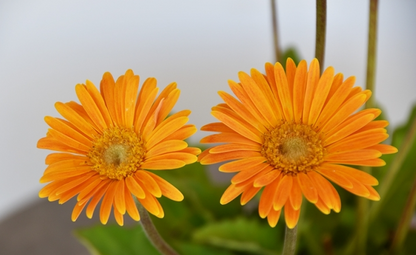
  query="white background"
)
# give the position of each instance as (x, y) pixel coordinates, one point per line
(48, 46)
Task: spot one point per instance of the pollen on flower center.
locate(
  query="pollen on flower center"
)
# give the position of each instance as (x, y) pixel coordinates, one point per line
(117, 153)
(293, 148)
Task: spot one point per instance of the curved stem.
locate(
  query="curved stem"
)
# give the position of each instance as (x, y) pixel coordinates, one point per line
(275, 31)
(152, 233)
(320, 32)
(289, 246)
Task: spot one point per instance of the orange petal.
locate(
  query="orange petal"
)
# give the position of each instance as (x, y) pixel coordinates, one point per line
(227, 137)
(119, 198)
(259, 99)
(90, 107)
(167, 127)
(77, 211)
(130, 204)
(246, 174)
(323, 188)
(148, 183)
(150, 203)
(168, 105)
(238, 126)
(243, 164)
(284, 92)
(267, 197)
(321, 93)
(163, 164)
(72, 116)
(119, 217)
(97, 197)
(308, 188)
(217, 127)
(165, 147)
(185, 157)
(248, 194)
(357, 155)
(65, 128)
(216, 158)
(312, 81)
(358, 175)
(99, 102)
(135, 187)
(273, 217)
(231, 193)
(295, 195)
(234, 147)
(107, 202)
(182, 133)
(332, 174)
(266, 179)
(291, 215)
(168, 190)
(383, 148)
(282, 192)
(299, 87)
(241, 110)
(358, 141)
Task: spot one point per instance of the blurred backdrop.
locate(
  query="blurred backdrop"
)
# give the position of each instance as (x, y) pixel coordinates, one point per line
(47, 47)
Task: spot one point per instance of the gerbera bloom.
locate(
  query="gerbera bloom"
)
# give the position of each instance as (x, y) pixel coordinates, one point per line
(108, 143)
(290, 132)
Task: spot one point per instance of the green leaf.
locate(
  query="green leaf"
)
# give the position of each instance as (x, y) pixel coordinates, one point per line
(241, 234)
(115, 240)
(292, 53)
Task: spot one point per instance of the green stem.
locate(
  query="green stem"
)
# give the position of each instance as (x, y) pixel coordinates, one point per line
(289, 245)
(320, 32)
(371, 51)
(404, 224)
(275, 31)
(152, 233)
(394, 168)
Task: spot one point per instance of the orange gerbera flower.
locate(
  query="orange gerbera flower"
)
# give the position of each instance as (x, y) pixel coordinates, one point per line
(291, 132)
(109, 141)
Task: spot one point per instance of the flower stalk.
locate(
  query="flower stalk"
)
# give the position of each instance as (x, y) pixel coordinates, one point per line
(152, 234)
(320, 32)
(289, 245)
(275, 31)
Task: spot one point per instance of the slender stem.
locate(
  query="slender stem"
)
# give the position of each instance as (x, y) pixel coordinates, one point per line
(404, 224)
(275, 31)
(289, 246)
(152, 233)
(320, 32)
(371, 50)
(394, 168)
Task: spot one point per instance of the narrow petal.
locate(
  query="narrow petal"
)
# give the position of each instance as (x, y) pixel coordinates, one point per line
(217, 127)
(267, 197)
(332, 174)
(164, 129)
(299, 87)
(291, 215)
(273, 217)
(234, 147)
(358, 141)
(248, 194)
(151, 204)
(97, 197)
(119, 197)
(165, 147)
(358, 175)
(168, 190)
(65, 128)
(321, 93)
(308, 188)
(248, 173)
(130, 204)
(216, 158)
(148, 183)
(228, 137)
(90, 107)
(283, 91)
(73, 117)
(383, 148)
(312, 81)
(135, 187)
(164, 164)
(107, 202)
(231, 193)
(357, 155)
(77, 211)
(241, 165)
(295, 195)
(282, 192)
(266, 179)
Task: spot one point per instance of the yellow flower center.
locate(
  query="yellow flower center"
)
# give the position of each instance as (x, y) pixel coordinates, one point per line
(293, 148)
(117, 153)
